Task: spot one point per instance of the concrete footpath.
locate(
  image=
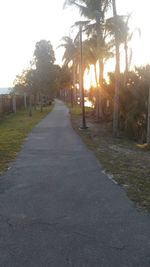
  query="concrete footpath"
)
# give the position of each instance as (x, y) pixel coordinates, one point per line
(58, 209)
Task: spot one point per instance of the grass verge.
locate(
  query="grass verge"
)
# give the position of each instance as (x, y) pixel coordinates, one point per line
(126, 161)
(13, 130)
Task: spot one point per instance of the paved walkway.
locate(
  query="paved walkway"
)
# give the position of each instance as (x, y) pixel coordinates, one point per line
(58, 209)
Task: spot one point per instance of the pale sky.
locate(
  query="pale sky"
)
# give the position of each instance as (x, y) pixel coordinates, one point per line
(24, 22)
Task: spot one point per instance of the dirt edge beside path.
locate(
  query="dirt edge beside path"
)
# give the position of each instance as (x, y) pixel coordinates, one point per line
(123, 161)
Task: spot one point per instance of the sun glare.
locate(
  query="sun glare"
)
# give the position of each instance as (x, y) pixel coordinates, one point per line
(91, 79)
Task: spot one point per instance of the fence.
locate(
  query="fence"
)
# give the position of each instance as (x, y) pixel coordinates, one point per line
(11, 103)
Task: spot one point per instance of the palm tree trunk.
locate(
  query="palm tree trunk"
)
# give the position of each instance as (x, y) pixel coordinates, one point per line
(126, 57)
(96, 96)
(74, 83)
(83, 126)
(117, 78)
(95, 72)
(99, 111)
(126, 61)
(148, 121)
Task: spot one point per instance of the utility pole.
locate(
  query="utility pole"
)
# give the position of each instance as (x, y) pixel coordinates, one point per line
(83, 125)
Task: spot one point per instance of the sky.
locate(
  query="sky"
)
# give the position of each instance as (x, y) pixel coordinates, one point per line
(24, 22)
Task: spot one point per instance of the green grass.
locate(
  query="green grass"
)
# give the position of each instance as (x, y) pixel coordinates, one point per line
(77, 110)
(13, 130)
(128, 162)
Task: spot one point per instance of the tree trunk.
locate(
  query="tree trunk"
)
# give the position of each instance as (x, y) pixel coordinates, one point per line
(99, 110)
(74, 84)
(35, 100)
(30, 105)
(117, 78)
(126, 62)
(14, 103)
(25, 100)
(41, 102)
(148, 121)
(95, 72)
(83, 126)
(126, 57)
(101, 79)
(96, 96)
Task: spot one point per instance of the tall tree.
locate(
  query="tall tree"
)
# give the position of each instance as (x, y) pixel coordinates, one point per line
(121, 25)
(43, 53)
(71, 58)
(43, 75)
(148, 120)
(95, 11)
(25, 84)
(44, 59)
(71, 55)
(117, 74)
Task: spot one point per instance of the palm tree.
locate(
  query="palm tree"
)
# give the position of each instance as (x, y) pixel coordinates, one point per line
(91, 55)
(126, 38)
(72, 52)
(119, 29)
(121, 25)
(70, 49)
(117, 74)
(71, 57)
(148, 121)
(95, 10)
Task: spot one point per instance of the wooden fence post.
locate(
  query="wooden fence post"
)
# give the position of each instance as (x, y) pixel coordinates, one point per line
(25, 100)
(1, 104)
(14, 103)
(30, 105)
